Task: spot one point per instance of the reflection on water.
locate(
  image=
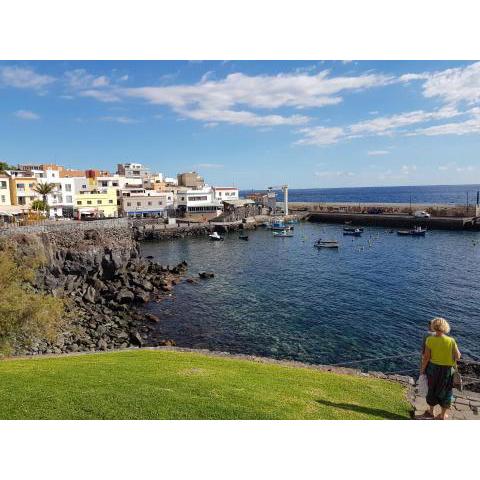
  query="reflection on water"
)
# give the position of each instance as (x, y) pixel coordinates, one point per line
(283, 298)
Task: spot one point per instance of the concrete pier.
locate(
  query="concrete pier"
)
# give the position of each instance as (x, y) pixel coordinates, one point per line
(395, 220)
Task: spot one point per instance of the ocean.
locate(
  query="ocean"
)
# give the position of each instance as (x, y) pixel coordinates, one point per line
(283, 298)
(437, 194)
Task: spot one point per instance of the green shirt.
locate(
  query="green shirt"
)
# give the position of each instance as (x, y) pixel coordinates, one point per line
(441, 348)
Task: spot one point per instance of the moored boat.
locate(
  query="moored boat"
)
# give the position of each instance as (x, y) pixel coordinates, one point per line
(326, 244)
(243, 237)
(282, 233)
(352, 229)
(355, 233)
(215, 237)
(415, 232)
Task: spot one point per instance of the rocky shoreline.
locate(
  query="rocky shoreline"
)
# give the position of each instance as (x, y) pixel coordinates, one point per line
(104, 283)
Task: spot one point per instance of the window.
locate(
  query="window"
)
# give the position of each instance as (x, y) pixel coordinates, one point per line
(3, 198)
(30, 185)
(149, 203)
(129, 204)
(160, 202)
(3, 184)
(20, 186)
(99, 202)
(198, 199)
(84, 186)
(79, 202)
(110, 201)
(139, 204)
(68, 187)
(104, 183)
(89, 202)
(68, 199)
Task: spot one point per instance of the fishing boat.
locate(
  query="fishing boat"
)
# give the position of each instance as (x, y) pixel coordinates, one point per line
(243, 237)
(352, 229)
(215, 237)
(416, 232)
(355, 233)
(282, 234)
(326, 244)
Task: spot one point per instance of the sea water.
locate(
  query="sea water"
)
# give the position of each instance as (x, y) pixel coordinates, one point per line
(284, 298)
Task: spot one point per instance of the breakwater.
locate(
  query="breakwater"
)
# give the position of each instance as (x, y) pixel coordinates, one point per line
(397, 220)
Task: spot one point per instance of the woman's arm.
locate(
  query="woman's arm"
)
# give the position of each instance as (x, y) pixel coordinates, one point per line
(425, 359)
(456, 352)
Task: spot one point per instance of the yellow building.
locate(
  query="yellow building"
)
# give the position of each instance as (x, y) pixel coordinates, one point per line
(96, 203)
(22, 186)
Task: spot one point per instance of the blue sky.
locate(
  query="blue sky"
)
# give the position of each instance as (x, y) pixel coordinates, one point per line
(254, 124)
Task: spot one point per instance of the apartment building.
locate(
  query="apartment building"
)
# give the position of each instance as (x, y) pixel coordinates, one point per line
(22, 187)
(146, 203)
(96, 203)
(137, 170)
(4, 190)
(198, 201)
(225, 193)
(190, 180)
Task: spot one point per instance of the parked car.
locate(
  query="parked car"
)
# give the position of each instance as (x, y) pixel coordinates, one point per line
(421, 214)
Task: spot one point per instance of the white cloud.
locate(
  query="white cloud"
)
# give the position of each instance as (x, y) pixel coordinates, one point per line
(101, 95)
(320, 135)
(19, 77)
(455, 84)
(387, 125)
(232, 99)
(334, 173)
(80, 79)
(210, 165)
(459, 128)
(119, 119)
(408, 169)
(376, 153)
(26, 115)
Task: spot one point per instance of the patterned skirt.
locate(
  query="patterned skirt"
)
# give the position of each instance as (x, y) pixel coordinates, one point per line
(440, 385)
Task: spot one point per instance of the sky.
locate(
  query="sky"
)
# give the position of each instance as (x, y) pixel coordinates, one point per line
(252, 124)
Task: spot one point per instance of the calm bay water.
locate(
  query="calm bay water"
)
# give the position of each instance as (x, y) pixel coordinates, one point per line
(444, 194)
(285, 299)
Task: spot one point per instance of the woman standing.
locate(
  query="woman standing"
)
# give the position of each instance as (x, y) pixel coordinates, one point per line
(440, 356)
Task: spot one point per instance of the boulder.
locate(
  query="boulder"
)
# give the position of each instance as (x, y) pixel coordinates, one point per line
(206, 274)
(152, 317)
(125, 296)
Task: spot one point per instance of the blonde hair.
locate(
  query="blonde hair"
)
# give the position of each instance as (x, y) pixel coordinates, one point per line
(440, 325)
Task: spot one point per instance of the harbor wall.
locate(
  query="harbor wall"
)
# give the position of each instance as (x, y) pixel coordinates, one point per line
(394, 221)
(436, 210)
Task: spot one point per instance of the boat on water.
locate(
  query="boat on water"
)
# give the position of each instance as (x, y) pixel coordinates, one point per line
(354, 233)
(352, 229)
(215, 237)
(243, 237)
(282, 234)
(415, 232)
(326, 244)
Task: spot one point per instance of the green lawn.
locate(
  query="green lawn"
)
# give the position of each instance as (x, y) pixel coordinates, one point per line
(146, 384)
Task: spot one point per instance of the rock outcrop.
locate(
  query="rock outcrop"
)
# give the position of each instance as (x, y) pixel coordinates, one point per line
(104, 282)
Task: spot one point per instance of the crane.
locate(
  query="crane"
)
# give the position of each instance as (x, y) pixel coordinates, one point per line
(284, 188)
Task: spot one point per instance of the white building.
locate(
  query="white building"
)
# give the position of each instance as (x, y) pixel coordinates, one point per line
(137, 170)
(4, 190)
(201, 201)
(225, 193)
(145, 203)
(61, 199)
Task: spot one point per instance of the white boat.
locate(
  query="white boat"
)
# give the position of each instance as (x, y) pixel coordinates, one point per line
(282, 233)
(326, 244)
(215, 237)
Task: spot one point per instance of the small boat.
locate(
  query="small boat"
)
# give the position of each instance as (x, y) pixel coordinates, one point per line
(326, 244)
(416, 232)
(282, 233)
(243, 237)
(215, 237)
(352, 229)
(355, 233)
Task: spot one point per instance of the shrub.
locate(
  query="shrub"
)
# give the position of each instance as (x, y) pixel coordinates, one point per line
(26, 315)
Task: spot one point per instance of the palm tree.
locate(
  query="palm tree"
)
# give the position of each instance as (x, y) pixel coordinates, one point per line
(44, 189)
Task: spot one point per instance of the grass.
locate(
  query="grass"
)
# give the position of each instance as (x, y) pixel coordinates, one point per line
(147, 384)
